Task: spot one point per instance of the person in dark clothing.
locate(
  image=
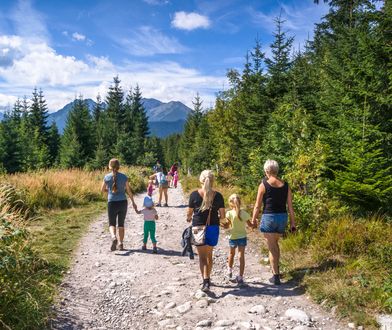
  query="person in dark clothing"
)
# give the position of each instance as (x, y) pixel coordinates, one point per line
(276, 197)
(202, 202)
(186, 243)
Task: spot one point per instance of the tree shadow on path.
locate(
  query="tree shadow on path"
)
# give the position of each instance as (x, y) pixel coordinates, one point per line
(161, 251)
(288, 289)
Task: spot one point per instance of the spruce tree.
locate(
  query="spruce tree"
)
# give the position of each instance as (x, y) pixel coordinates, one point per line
(78, 135)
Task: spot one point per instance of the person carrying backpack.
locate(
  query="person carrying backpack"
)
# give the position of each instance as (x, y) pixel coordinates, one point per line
(163, 185)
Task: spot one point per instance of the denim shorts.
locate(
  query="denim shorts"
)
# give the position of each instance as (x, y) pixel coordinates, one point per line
(212, 235)
(238, 242)
(274, 223)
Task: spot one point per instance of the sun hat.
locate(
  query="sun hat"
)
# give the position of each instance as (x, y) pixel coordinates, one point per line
(148, 202)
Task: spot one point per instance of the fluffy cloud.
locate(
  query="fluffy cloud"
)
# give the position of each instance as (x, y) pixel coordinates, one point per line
(78, 36)
(62, 77)
(190, 21)
(147, 41)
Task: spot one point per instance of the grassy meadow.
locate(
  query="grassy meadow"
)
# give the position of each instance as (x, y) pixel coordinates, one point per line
(42, 217)
(345, 264)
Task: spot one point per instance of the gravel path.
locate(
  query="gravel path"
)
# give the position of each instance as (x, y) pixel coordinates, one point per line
(136, 289)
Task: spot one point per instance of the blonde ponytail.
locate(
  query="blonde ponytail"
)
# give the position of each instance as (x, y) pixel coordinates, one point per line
(114, 165)
(207, 179)
(235, 202)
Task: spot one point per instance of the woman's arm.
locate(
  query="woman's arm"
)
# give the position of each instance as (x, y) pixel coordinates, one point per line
(257, 207)
(189, 214)
(222, 213)
(291, 210)
(129, 193)
(104, 188)
(152, 177)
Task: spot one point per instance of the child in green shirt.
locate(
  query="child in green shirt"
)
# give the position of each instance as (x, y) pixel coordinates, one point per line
(238, 219)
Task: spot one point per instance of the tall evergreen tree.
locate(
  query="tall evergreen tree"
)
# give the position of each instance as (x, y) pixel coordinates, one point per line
(78, 136)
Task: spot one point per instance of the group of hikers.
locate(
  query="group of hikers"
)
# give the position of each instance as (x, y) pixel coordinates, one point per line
(207, 213)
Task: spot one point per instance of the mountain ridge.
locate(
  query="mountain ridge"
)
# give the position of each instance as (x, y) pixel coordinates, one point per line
(164, 118)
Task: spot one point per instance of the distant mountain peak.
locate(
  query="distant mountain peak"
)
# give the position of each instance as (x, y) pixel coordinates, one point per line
(164, 118)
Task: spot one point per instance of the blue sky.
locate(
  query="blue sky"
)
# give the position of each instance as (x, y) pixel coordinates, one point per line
(171, 48)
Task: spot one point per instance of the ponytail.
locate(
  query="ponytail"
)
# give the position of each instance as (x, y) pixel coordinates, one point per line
(114, 165)
(207, 179)
(235, 202)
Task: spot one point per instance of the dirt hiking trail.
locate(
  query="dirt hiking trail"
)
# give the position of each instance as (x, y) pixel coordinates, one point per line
(135, 289)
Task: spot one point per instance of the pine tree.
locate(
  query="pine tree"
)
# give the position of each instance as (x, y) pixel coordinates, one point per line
(78, 136)
(114, 101)
(280, 63)
(54, 143)
(10, 145)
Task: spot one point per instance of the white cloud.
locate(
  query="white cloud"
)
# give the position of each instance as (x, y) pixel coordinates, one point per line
(28, 22)
(147, 41)
(62, 77)
(78, 36)
(299, 18)
(156, 2)
(190, 21)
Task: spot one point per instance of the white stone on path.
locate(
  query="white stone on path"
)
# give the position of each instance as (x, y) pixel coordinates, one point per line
(200, 294)
(258, 310)
(112, 285)
(204, 323)
(351, 325)
(224, 323)
(184, 308)
(165, 323)
(300, 327)
(385, 321)
(297, 315)
(202, 303)
(170, 305)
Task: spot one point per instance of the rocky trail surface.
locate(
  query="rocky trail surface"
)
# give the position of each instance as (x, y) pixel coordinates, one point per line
(135, 289)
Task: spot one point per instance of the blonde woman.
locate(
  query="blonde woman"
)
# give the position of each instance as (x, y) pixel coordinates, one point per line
(116, 185)
(201, 201)
(276, 197)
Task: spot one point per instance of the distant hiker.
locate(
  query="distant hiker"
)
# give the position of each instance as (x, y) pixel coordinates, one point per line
(163, 184)
(150, 215)
(150, 188)
(173, 169)
(275, 195)
(186, 243)
(205, 205)
(238, 219)
(116, 185)
(157, 168)
(175, 179)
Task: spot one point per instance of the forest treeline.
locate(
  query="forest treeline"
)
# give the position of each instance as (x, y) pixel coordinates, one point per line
(323, 112)
(116, 128)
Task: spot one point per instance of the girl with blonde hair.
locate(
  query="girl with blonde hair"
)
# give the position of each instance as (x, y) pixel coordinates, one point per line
(116, 185)
(238, 219)
(206, 203)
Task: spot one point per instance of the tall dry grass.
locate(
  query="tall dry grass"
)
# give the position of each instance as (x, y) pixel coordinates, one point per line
(28, 280)
(52, 189)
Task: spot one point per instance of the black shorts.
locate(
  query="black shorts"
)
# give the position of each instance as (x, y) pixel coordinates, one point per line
(117, 212)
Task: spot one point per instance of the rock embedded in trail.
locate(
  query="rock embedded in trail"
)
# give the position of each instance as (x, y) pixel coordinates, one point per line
(224, 323)
(202, 303)
(204, 323)
(184, 308)
(170, 305)
(297, 315)
(258, 310)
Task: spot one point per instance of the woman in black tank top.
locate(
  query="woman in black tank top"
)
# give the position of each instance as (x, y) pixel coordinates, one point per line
(275, 195)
